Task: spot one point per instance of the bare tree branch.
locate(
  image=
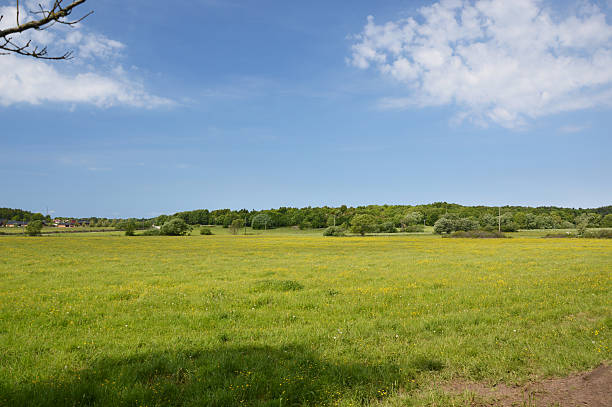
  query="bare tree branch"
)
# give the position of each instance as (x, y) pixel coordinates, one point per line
(58, 13)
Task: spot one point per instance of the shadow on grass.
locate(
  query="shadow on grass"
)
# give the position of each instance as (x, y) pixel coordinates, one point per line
(228, 376)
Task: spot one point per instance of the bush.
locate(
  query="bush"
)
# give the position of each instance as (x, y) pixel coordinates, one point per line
(305, 225)
(175, 227)
(334, 231)
(387, 227)
(558, 235)
(151, 232)
(598, 234)
(509, 227)
(34, 228)
(130, 228)
(478, 234)
(205, 231)
(413, 228)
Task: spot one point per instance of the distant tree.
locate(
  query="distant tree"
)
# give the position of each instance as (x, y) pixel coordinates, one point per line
(413, 218)
(261, 221)
(130, 228)
(591, 219)
(446, 224)
(34, 228)
(363, 223)
(387, 227)
(236, 225)
(175, 227)
(606, 222)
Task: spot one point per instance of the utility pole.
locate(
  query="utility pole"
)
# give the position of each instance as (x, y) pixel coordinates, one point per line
(245, 220)
(499, 219)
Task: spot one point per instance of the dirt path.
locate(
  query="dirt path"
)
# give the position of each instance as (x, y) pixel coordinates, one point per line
(593, 389)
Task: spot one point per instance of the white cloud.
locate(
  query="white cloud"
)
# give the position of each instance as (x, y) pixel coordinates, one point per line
(95, 75)
(24, 80)
(498, 61)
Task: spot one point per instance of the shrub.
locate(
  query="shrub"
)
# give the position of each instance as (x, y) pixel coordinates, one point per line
(413, 228)
(387, 227)
(205, 231)
(151, 232)
(175, 227)
(130, 228)
(509, 227)
(305, 225)
(262, 221)
(334, 231)
(558, 235)
(598, 234)
(478, 234)
(34, 228)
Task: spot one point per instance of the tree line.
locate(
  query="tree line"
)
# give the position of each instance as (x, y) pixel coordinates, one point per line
(383, 217)
(400, 216)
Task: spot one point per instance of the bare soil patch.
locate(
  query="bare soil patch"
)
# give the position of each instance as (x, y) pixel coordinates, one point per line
(593, 389)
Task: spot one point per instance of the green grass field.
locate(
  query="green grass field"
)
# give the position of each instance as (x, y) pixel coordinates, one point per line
(280, 320)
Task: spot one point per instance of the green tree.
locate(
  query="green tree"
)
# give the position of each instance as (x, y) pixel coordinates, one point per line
(34, 228)
(175, 227)
(606, 222)
(130, 228)
(262, 221)
(446, 224)
(413, 218)
(236, 225)
(363, 224)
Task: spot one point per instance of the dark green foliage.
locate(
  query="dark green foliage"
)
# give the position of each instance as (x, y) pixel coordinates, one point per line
(452, 223)
(130, 228)
(598, 234)
(205, 231)
(21, 215)
(175, 227)
(606, 222)
(559, 235)
(413, 228)
(262, 221)
(363, 223)
(478, 234)
(334, 231)
(151, 232)
(34, 228)
(386, 227)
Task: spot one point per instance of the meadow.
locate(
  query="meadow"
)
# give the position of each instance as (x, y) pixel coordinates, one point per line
(294, 319)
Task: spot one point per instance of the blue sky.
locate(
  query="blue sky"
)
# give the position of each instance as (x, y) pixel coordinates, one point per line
(260, 104)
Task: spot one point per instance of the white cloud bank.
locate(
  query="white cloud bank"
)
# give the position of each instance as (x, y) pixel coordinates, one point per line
(94, 76)
(499, 61)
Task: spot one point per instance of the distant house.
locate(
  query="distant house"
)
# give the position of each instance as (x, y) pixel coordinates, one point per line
(15, 224)
(63, 225)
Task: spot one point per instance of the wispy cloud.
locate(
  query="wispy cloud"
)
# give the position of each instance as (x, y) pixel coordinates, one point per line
(498, 61)
(568, 129)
